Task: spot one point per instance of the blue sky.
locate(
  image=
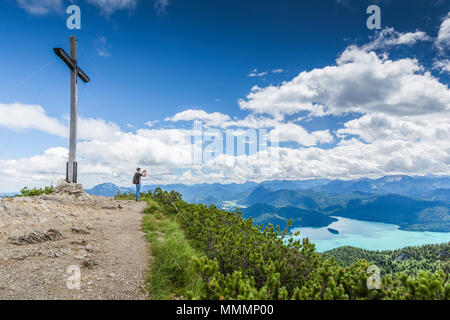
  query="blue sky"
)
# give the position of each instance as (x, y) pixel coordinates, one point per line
(158, 65)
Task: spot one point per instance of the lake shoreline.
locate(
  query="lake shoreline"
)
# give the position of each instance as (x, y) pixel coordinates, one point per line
(369, 235)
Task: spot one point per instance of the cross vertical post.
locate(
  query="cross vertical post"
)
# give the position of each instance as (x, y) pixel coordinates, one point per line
(75, 73)
(71, 170)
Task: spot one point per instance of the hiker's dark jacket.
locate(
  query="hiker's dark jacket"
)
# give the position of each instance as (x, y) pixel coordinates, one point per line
(137, 178)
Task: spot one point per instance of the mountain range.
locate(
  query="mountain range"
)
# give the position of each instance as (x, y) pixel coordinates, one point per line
(413, 203)
(107, 190)
(426, 187)
(9, 194)
(264, 214)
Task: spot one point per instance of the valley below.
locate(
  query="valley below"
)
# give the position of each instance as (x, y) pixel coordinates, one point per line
(368, 235)
(385, 213)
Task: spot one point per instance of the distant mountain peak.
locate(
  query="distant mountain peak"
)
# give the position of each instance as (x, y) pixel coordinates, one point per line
(107, 189)
(107, 184)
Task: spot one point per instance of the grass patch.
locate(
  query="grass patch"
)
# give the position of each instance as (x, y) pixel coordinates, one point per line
(171, 275)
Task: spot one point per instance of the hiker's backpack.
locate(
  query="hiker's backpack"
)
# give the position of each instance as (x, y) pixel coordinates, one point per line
(136, 178)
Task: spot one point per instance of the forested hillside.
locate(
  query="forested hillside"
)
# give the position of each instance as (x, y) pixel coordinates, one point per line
(264, 213)
(410, 214)
(410, 259)
(237, 260)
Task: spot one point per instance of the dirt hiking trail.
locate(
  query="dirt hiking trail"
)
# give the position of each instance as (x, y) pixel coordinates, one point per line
(41, 237)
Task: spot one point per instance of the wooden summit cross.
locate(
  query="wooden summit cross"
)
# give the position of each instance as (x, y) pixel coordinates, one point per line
(75, 72)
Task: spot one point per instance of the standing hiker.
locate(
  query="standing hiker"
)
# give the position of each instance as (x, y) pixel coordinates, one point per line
(137, 180)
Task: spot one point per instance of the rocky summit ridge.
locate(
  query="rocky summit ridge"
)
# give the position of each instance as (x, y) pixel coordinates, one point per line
(42, 236)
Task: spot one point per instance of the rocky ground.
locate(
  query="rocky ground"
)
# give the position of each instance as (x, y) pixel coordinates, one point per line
(50, 241)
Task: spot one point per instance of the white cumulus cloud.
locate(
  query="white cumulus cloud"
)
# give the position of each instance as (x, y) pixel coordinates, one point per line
(20, 116)
(108, 7)
(214, 118)
(256, 73)
(361, 82)
(442, 65)
(290, 132)
(41, 7)
(389, 37)
(443, 38)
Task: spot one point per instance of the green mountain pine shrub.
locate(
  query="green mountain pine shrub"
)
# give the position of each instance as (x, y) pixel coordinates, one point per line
(241, 261)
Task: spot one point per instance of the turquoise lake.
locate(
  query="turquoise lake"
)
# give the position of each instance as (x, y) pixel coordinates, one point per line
(368, 235)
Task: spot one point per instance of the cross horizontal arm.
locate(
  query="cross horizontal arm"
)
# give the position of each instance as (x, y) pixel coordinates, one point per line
(71, 64)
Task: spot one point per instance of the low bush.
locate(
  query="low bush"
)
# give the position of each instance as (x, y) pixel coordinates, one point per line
(25, 192)
(237, 260)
